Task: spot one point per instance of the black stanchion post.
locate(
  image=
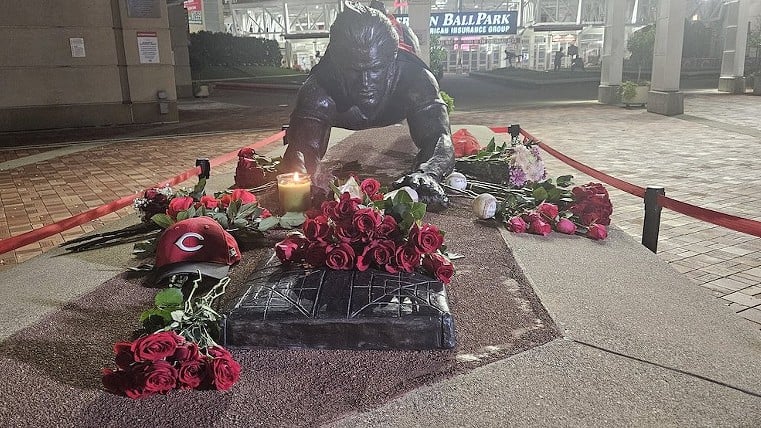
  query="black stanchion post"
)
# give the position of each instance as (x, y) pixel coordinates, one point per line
(514, 131)
(652, 223)
(285, 128)
(205, 168)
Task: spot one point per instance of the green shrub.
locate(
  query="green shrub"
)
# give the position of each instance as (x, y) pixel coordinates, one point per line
(447, 99)
(223, 49)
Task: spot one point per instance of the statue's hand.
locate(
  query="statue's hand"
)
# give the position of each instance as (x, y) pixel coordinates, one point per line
(429, 190)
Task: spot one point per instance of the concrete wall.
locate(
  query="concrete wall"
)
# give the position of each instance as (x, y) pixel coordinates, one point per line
(44, 85)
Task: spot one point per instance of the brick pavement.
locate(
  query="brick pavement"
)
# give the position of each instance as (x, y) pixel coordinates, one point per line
(706, 157)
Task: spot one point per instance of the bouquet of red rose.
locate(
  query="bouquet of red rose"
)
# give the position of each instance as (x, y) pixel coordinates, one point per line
(366, 230)
(160, 362)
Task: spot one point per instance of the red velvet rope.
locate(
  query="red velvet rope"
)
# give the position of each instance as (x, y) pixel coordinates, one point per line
(738, 224)
(46, 231)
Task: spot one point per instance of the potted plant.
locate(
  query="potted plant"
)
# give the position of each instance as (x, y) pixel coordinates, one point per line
(634, 92)
(756, 82)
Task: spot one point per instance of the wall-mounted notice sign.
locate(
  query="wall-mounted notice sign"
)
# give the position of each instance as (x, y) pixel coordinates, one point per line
(77, 47)
(195, 11)
(148, 47)
(471, 23)
(143, 9)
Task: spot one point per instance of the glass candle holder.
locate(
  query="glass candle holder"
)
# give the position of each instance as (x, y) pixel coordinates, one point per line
(294, 191)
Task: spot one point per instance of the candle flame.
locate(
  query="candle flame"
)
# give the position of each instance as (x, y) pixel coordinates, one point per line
(295, 176)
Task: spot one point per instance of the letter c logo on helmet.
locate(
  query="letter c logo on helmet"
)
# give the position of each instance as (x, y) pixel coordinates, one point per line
(180, 242)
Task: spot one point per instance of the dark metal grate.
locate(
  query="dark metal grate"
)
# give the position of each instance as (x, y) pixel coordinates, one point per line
(331, 294)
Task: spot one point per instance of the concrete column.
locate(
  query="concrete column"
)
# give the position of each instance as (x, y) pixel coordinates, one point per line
(613, 49)
(664, 96)
(420, 23)
(735, 28)
(213, 18)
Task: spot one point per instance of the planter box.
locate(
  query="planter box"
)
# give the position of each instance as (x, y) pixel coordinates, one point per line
(640, 97)
(757, 85)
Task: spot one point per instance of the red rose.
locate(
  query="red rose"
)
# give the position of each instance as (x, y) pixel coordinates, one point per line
(117, 381)
(346, 206)
(340, 256)
(330, 209)
(124, 356)
(316, 229)
(591, 204)
(517, 225)
(246, 152)
(438, 266)
(549, 211)
(265, 213)
(377, 197)
(156, 346)
(388, 228)
(407, 258)
(291, 248)
(540, 227)
(219, 352)
(225, 200)
(366, 220)
(224, 373)
(155, 377)
(531, 217)
(244, 196)
(427, 239)
(597, 231)
(209, 202)
(191, 374)
(379, 253)
(370, 186)
(347, 232)
(316, 254)
(151, 193)
(187, 351)
(566, 226)
(177, 205)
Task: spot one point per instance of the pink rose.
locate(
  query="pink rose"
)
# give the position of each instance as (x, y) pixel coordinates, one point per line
(291, 248)
(549, 211)
(340, 256)
(438, 266)
(540, 227)
(597, 231)
(265, 213)
(316, 229)
(330, 209)
(210, 202)
(517, 225)
(178, 205)
(427, 239)
(370, 186)
(566, 226)
(191, 374)
(379, 253)
(244, 196)
(156, 346)
(347, 232)
(407, 258)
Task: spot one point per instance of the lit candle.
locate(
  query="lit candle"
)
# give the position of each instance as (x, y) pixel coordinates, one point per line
(294, 190)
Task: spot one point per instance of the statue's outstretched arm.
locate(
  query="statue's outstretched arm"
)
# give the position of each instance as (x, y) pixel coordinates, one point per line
(309, 129)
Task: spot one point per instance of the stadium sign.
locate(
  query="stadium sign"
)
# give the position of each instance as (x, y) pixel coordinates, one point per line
(471, 23)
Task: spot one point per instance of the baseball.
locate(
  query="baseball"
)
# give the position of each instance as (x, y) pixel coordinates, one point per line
(456, 181)
(485, 206)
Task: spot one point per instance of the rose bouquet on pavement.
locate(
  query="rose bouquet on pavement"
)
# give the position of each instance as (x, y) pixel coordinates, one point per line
(513, 164)
(361, 229)
(179, 351)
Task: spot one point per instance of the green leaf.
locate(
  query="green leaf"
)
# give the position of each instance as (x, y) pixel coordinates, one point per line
(335, 189)
(565, 180)
(232, 209)
(155, 312)
(249, 210)
(539, 194)
(402, 197)
(491, 146)
(192, 212)
(553, 194)
(268, 223)
(198, 189)
(418, 210)
(291, 220)
(240, 222)
(220, 218)
(171, 297)
(182, 215)
(162, 220)
(178, 315)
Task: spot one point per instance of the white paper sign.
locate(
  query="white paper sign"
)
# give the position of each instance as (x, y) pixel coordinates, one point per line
(148, 47)
(77, 47)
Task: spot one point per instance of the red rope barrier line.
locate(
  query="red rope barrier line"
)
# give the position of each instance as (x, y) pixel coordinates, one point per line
(738, 224)
(46, 231)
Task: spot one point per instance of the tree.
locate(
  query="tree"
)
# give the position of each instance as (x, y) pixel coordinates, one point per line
(640, 45)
